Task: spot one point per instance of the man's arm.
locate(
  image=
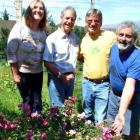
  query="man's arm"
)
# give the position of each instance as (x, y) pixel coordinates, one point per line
(54, 70)
(51, 67)
(127, 95)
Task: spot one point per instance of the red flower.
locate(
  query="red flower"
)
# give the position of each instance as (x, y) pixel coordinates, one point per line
(73, 99)
(53, 112)
(69, 112)
(11, 126)
(44, 123)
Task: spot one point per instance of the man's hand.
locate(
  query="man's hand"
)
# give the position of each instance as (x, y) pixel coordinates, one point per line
(118, 124)
(67, 78)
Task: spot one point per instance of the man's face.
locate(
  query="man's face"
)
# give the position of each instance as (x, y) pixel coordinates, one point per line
(125, 38)
(93, 24)
(68, 21)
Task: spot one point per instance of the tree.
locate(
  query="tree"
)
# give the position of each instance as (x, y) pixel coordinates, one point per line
(5, 15)
(80, 31)
(51, 21)
(4, 32)
(52, 26)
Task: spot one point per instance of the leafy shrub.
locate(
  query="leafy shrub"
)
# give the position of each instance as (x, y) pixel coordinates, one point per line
(4, 32)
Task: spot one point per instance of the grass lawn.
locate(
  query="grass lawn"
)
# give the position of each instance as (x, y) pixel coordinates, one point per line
(9, 95)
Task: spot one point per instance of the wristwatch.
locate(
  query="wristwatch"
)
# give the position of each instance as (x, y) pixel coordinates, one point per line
(59, 75)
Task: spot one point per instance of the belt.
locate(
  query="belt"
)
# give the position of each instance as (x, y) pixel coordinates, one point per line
(66, 73)
(98, 81)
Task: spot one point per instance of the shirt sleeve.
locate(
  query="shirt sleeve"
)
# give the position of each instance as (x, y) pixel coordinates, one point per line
(134, 69)
(13, 43)
(49, 50)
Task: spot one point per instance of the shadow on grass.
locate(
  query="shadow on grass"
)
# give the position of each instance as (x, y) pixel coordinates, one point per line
(8, 113)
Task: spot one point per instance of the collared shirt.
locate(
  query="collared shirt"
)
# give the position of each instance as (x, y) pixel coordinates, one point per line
(62, 50)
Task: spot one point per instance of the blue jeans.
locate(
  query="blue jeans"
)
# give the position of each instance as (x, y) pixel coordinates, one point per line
(58, 90)
(132, 115)
(95, 100)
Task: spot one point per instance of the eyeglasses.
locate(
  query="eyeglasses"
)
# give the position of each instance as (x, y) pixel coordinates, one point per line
(126, 35)
(95, 21)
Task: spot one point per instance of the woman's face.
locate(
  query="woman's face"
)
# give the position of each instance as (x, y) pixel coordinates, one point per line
(37, 11)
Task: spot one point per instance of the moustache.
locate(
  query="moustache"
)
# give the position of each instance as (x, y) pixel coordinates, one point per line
(124, 42)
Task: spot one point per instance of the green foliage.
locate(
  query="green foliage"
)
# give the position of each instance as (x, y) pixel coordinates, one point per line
(51, 21)
(4, 32)
(5, 15)
(7, 84)
(8, 92)
(80, 31)
(52, 26)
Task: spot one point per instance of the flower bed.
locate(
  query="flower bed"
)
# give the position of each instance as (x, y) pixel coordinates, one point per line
(54, 124)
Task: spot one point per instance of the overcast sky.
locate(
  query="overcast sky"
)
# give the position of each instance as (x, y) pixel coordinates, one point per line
(114, 11)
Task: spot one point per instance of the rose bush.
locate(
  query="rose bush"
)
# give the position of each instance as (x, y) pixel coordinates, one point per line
(54, 124)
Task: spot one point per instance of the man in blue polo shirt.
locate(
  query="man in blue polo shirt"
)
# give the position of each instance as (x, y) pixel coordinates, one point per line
(124, 101)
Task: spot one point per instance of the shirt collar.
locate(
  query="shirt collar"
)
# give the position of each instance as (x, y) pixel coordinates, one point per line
(62, 34)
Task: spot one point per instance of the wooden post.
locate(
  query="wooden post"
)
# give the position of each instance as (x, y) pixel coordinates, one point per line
(92, 4)
(18, 7)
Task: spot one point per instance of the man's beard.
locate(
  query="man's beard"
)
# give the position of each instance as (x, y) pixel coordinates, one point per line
(124, 45)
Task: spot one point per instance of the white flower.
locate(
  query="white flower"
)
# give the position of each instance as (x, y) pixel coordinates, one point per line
(72, 132)
(88, 122)
(81, 116)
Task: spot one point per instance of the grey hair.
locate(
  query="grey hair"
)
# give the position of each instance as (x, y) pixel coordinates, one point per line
(94, 11)
(128, 24)
(68, 8)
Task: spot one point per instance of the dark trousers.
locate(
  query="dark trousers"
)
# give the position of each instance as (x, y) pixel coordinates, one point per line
(30, 90)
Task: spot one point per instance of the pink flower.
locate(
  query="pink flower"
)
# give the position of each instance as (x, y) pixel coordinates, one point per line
(30, 135)
(11, 126)
(81, 116)
(66, 101)
(64, 125)
(64, 114)
(69, 111)
(43, 135)
(73, 99)
(107, 134)
(44, 122)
